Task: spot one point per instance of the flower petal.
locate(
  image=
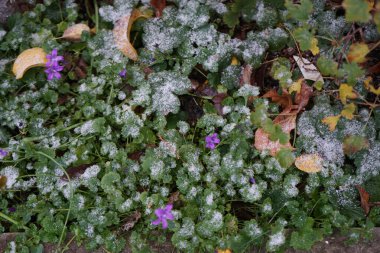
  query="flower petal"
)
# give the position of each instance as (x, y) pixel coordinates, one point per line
(159, 212)
(156, 222)
(164, 224)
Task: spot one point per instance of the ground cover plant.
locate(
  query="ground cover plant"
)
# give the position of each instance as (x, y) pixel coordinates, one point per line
(215, 125)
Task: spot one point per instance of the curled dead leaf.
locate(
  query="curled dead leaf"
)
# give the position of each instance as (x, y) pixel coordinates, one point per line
(30, 58)
(74, 32)
(121, 33)
(364, 199)
(308, 70)
(309, 163)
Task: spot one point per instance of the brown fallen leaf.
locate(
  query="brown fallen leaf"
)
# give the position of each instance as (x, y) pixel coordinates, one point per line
(3, 181)
(262, 141)
(364, 199)
(159, 5)
(121, 33)
(174, 197)
(77, 171)
(130, 221)
(246, 75)
(33, 57)
(74, 32)
(285, 99)
(302, 98)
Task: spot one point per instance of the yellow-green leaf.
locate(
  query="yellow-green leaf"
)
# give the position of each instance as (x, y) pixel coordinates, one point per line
(310, 163)
(357, 52)
(296, 86)
(314, 46)
(331, 121)
(368, 85)
(348, 111)
(346, 91)
(357, 10)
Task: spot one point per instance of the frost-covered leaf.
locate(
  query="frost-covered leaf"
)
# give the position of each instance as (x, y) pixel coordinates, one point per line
(354, 143)
(309, 163)
(33, 57)
(346, 92)
(299, 11)
(358, 52)
(331, 121)
(309, 71)
(357, 10)
(74, 32)
(122, 31)
(348, 111)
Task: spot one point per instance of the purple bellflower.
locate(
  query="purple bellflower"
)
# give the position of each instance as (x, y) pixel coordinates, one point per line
(252, 180)
(163, 215)
(3, 153)
(212, 141)
(52, 66)
(123, 73)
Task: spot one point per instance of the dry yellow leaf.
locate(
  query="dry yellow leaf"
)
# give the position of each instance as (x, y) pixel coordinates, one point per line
(296, 86)
(357, 52)
(346, 91)
(33, 57)
(348, 111)
(74, 32)
(368, 85)
(234, 61)
(121, 33)
(314, 46)
(309, 163)
(331, 121)
(223, 251)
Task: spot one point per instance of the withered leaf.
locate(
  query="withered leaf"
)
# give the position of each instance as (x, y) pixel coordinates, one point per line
(364, 199)
(131, 220)
(77, 171)
(3, 181)
(159, 5)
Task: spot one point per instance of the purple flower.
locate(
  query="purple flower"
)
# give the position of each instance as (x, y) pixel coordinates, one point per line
(123, 73)
(3, 153)
(12, 209)
(212, 140)
(163, 215)
(252, 180)
(52, 66)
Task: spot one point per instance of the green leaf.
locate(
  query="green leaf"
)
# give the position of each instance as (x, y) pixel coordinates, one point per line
(306, 238)
(299, 12)
(352, 72)
(357, 10)
(285, 157)
(327, 67)
(304, 37)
